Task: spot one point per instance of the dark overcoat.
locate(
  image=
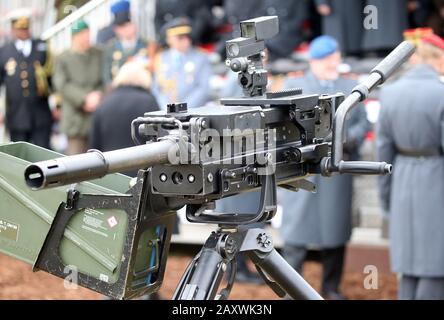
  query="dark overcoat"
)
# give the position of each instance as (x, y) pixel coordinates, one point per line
(26, 108)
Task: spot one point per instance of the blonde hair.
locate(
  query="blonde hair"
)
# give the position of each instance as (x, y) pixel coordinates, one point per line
(429, 53)
(133, 74)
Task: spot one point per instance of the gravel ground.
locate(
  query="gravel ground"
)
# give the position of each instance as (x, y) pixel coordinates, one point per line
(17, 282)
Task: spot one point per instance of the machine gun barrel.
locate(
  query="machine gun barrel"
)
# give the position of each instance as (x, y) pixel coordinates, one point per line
(95, 164)
(377, 77)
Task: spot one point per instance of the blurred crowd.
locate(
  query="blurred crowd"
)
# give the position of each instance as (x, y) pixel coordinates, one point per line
(92, 92)
(215, 21)
(191, 38)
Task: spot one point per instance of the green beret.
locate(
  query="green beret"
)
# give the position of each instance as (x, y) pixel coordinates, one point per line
(79, 26)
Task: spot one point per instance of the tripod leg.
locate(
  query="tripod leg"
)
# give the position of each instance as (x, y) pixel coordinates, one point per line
(275, 266)
(204, 277)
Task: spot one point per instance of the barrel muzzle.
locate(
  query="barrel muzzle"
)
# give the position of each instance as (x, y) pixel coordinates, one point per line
(67, 170)
(95, 164)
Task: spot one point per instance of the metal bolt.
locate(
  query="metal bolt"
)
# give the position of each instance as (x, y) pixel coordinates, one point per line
(264, 240)
(210, 177)
(262, 237)
(191, 178)
(163, 177)
(230, 246)
(230, 175)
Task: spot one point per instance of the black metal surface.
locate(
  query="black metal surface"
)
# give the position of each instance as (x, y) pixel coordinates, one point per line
(245, 54)
(196, 213)
(275, 266)
(204, 275)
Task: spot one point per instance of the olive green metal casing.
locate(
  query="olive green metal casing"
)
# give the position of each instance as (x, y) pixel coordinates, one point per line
(94, 241)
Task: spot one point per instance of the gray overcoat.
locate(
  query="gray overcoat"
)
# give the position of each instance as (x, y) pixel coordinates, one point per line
(323, 219)
(412, 118)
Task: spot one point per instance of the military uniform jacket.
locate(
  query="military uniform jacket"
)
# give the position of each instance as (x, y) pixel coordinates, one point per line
(26, 108)
(105, 35)
(324, 219)
(412, 118)
(75, 76)
(182, 78)
(198, 11)
(115, 56)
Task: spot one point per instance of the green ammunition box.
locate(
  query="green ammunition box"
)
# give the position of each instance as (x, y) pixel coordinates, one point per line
(117, 250)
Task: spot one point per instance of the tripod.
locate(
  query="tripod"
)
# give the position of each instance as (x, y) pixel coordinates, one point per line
(205, 273)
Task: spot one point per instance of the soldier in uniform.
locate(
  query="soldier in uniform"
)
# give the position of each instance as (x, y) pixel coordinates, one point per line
(410, 135)
(182, 73)
(324, 220)
(78, 78)
(125, 46)
(107, 34)
(197, 11)
(25, 70)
